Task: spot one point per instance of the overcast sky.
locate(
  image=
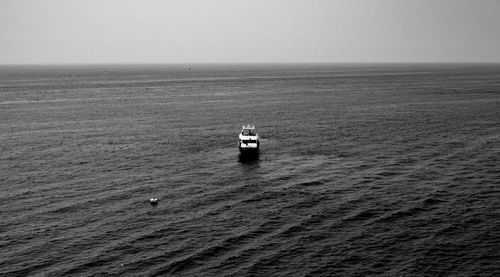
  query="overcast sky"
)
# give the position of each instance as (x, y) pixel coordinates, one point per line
(221, 31)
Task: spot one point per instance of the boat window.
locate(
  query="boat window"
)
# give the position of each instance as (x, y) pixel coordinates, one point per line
(248, 132)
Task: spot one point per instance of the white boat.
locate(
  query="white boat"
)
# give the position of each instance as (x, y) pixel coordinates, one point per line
(248, 139)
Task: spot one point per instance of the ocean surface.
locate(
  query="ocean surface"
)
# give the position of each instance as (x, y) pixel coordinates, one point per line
(364, 169)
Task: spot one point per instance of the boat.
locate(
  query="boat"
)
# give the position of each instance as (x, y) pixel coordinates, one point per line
(248, 140)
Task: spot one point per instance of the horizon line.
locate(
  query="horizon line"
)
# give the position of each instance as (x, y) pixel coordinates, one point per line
(247, 63)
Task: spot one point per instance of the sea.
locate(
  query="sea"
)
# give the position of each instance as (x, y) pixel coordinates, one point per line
(363, 170)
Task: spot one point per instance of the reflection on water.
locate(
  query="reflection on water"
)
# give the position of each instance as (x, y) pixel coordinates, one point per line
(249, 158)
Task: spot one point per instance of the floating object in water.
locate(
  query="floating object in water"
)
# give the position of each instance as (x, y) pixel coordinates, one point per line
(153, 201)
(248, 140)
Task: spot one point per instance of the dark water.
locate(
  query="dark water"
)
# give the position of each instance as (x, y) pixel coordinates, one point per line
(364, 169)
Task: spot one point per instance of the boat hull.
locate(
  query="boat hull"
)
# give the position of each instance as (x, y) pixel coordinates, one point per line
(248, 150)
(249, 147)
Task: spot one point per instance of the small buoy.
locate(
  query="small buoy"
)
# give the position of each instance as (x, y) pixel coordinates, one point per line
(153, 201)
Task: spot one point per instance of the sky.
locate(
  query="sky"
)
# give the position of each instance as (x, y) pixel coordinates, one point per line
(248, 31)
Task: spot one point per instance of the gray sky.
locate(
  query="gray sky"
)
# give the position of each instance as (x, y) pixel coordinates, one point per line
(199, 31)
